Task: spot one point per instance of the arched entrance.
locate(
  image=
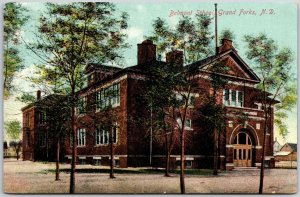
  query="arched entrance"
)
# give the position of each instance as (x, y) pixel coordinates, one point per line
(242, 149)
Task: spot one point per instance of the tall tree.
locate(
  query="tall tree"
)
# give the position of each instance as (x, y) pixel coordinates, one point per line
(160, 101)
(194, 38)
(277, 84)
(191, 36)
(13, 130)
(14, 20)
(69, 36)
(217, 111)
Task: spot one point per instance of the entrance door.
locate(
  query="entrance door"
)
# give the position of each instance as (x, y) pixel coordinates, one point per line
(242, 151)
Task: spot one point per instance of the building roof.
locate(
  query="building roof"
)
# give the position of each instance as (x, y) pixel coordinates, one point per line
(293, 146)
(214, 58)
(40, 101)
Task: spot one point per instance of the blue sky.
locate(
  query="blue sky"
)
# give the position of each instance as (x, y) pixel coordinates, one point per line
(281, 26)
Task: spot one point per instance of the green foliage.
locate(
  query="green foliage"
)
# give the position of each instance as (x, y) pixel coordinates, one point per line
(13, 129)
(227, 34)
(160, 96)
(192, 36)
(70, 35)
(274, 68)
(14, 19)
(56, 113)
(26, 98)
(213, 116)
(218, 81)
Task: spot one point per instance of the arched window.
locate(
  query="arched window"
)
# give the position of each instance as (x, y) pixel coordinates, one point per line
(242, 138)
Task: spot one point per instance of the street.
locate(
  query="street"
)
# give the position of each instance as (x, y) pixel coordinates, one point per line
(35, 177)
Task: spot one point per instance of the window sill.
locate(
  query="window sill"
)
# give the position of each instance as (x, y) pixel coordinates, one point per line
(188, 129)
(105, 108)
(101, 145)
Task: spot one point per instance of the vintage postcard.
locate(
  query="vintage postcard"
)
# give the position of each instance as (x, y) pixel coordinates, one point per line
(180, 97)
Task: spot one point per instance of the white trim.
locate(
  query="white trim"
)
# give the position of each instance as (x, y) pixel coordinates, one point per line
(246, 108)
(97, 157)
(111, 83)
(186, 159)
(206, 76)
(251, 117)
(222, 156)
(229, 164)
(115, 157)
(258, 147)
(257, 164)
(229, 146)
(82, 157)
(230, 139)
(269, 157)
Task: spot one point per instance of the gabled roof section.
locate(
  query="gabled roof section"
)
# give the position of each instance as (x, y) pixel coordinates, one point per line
(42, 101)
(94, 67)
(293, 146)
(235, 63)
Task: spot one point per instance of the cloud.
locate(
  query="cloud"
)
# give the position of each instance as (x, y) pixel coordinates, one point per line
(135, 33)
(140, 8)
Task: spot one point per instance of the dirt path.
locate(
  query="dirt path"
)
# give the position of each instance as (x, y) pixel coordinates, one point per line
(29, 177)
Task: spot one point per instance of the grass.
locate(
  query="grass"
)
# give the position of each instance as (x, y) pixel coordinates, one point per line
(203, 172)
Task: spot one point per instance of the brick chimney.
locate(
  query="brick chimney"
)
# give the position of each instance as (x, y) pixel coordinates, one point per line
(226, 45)
(38, 95)
(146, 52)
(175, 57)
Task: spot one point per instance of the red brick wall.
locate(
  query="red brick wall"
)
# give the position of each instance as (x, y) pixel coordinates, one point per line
(29, 127)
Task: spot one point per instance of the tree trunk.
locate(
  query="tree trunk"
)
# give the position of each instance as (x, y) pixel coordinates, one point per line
(111, 175)
(57, 161)
(17, 153)
(262, 166)
(74, 153)
(167, 160)
(215, 171)
(182, 185)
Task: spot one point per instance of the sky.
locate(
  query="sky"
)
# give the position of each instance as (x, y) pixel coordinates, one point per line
(279, 22)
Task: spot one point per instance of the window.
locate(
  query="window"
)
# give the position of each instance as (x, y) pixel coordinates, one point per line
(188, 124)
(27, 120)
(240, 102)
(81, 137)
(188, 163)
(115, 134)
(42, 138)
(27, 138)
(71, 139)
(91, 78)
(81, 161)
(81, 106)
(181, 96)
(233, 98)
(102, 136)
(97, 162)
(42, 118)
(117, 162)
(108, 97)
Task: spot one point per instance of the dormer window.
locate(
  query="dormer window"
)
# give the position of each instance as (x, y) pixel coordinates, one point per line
(233, 98)
(91, 78)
